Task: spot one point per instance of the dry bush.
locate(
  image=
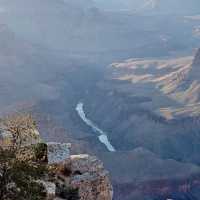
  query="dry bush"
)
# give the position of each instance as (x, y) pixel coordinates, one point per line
(21, 126)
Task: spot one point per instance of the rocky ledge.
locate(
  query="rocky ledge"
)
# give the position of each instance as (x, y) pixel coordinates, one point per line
(47, 171)
(83, 172)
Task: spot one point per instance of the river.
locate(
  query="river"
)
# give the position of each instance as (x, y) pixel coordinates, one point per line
(102, 136)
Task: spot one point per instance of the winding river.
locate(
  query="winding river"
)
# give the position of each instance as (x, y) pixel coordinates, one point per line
(103, 138)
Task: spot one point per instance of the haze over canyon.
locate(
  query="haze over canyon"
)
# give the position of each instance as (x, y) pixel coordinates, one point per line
(118, 79)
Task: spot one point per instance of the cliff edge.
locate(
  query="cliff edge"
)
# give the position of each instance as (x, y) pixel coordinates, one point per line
(36, 170)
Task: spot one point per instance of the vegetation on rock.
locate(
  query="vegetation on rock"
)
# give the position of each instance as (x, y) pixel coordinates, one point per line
(18, 178)
(26, 172)
(40, 152)
(24, 169)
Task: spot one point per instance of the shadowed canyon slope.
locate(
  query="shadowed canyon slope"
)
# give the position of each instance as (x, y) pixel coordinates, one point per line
(153, 106)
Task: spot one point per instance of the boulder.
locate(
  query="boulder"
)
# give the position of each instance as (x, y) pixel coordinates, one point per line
(58, 152)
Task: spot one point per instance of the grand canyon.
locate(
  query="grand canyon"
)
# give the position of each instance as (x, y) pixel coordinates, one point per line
(118, 79)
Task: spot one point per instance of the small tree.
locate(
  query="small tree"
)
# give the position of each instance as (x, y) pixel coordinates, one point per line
(21, 127)
(18, 179)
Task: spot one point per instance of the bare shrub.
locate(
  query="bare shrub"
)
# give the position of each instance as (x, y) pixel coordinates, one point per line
(21, 126)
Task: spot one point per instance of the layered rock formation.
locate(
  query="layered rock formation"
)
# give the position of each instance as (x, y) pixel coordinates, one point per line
(171, 85)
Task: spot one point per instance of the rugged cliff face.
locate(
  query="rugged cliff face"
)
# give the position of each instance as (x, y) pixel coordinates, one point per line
(48, 171)
(83, 172)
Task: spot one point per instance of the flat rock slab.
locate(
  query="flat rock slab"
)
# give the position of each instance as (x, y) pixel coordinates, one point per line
(58, 152)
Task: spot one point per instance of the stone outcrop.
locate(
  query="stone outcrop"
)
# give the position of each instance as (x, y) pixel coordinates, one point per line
(83, 173)
(89, 175)
(66, 176)
(58, 152)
